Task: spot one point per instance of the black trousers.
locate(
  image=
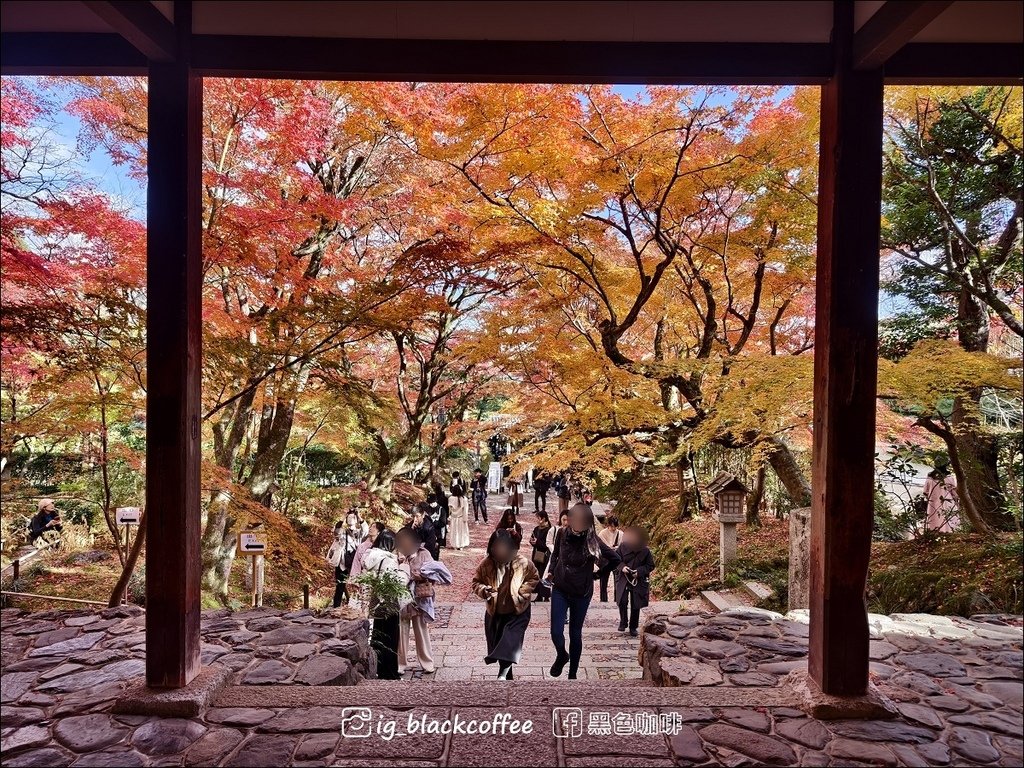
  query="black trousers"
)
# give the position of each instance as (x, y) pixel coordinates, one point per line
(340, 587)
(384, 641)
(540, 500)
(627, 605)
(605, 576)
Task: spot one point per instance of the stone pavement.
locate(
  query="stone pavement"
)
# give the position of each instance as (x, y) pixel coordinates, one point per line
(457, 636)
(957, 685)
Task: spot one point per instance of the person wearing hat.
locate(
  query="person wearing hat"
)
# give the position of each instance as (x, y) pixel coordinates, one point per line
(47, 518)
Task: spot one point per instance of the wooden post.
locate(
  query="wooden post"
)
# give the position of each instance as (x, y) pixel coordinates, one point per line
(305, 596)
(174, 357)
(845, 367)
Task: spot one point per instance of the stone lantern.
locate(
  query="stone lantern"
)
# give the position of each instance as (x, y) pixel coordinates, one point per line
(730, 509)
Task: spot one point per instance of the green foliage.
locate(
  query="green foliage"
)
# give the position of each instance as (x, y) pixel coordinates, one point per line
(953, 574)
(386, 589)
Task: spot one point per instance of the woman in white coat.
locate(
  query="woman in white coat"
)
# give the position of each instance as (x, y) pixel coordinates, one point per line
(458, 514)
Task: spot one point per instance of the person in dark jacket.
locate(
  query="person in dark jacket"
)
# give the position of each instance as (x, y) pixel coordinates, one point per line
(424, 525)
(438, 502)
(541, 551)
(505, 579)
(541, 484)
(632, 578)
(478, 489)
(46, 519)
(576, 553)
(509, 523)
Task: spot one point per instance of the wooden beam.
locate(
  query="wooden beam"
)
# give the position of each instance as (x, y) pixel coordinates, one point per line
(141, 24)
(174, 368)
(956, 64)
(45, 53)
(845, 367)
(511, 61)
(891, 27)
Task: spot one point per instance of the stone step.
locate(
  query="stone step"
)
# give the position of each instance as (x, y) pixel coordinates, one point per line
(493, 693)
(720, 600)
(758, 590)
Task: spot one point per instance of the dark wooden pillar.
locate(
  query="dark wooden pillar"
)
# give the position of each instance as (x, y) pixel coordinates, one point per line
(173, 359)
(845, 367)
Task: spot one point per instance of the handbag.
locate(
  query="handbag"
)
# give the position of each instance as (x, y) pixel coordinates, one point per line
(540, 557)
(423, 590)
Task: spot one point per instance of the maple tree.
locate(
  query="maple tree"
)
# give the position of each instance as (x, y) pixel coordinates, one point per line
(674, 233)
(952, 228)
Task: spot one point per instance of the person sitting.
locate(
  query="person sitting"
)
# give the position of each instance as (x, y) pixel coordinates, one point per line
(46, 519)
(505, 579)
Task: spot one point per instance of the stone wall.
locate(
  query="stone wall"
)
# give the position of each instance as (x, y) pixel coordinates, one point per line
(73, 659)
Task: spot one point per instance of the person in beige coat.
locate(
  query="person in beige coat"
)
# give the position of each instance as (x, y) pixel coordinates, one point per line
(506, 580)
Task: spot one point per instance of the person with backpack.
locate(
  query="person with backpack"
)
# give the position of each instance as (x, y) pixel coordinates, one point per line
(632, 578)
(612, 536)
(578, 559)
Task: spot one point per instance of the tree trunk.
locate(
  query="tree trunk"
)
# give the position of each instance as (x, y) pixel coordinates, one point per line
(977, 452)
(789, 472)
(686, 502)
(754, 499)
(117, 595)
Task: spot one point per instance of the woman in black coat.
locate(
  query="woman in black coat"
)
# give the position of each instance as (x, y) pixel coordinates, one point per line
(578, 558)
(632, 581)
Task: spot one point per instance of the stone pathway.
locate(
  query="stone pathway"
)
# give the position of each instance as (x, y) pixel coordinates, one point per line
(457, 636)
(712, 693)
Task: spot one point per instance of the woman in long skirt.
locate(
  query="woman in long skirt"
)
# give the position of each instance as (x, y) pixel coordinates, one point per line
(381, 559)
(505, 579)
(458, 522)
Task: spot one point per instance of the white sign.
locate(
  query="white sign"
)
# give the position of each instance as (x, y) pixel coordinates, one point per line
(494, 477)
(128, 515)
(252, 543)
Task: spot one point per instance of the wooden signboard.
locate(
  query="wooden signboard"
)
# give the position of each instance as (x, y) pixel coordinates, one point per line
(252, 543)
(128, 515)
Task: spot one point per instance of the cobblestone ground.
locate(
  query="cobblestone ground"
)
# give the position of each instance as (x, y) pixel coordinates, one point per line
(457, 635)
(957, 685)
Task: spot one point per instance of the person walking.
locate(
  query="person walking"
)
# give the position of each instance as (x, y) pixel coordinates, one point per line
(440, 512)
(347, 535)
(478, 488)
(381, 560)
(541, 484)
(458, 523)
(576, 553)
(515, 496)
(424, 525)
(612, 536)
(540, 552)
(421, 572)
(505, 579)
(564, 493)
(509, 523)
(632, 578)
